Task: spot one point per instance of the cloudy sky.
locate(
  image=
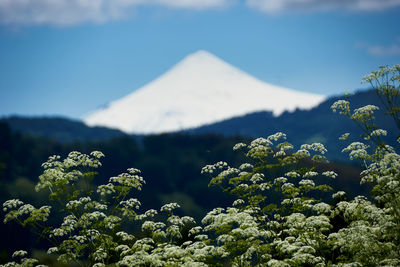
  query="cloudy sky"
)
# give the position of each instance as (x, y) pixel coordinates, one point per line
(69, 57)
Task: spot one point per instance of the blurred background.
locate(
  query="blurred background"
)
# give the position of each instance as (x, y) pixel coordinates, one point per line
(63, 61)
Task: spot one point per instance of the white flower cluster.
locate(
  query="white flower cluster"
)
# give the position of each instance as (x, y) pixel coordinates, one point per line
(357, 150)
(344, 136)
(379, 132)
(131, 203)
(128, 180)
(169, 207)
(275, 137)
(310, 174)
(292, 174)
(342, 105)
(12, 204)
(330, 174)
(211, 168)
(239, 146)
(245, 166)
(257, 177)
(259, 148)
(364, 113)
(317, 147)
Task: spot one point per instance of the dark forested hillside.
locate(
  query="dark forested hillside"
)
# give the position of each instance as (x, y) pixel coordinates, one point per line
(61, 129)
(319, 124)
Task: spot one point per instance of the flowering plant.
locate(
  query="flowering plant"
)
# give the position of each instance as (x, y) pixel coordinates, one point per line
(284, 212)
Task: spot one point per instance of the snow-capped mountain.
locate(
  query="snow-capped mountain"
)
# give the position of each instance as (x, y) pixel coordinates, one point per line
(201, 89)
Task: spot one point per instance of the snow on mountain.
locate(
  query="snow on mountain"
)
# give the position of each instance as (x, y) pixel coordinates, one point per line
(200, 89)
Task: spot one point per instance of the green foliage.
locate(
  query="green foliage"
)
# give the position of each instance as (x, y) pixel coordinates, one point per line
(279, 216)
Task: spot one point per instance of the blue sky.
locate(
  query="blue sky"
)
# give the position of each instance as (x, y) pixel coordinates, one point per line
(70, 57)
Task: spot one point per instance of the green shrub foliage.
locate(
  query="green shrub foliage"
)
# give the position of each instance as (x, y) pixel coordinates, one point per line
(284, 212)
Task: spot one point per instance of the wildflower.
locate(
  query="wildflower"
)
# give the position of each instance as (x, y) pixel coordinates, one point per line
(364, 113)
(275, 137)
(339, 194)
(239, 146)
(322, 208)
(317, 147)
(330, 174)
(107, 189)
(131, 203)
(379, 132)
(238, 202)
(169, 207)
(125, 236)
(19, 253)
(280, 180)
(134, 171)
(100, 254)
(306, 182)
(97, 154)
(195, 230)
(208, 169)
(245, 166)
(302, 153)
(310, 174)
(257, 177)
(342, 105)
(265, 186)
(287, 186)
(280, 153)
(52, 250)
(151, 213)
(344, 136)
(292, 174)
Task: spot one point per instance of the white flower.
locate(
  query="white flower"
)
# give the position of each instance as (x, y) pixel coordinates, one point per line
(97, 154)
(310, 174)
(151, 213)
(280, 180)
(307, 182)
(11, 204)
(317, 147)
(322, 208)
(265, 186)
(245, 166)
(339, 194)
(379, 132)
(257, 177)
(238, 202)
(292, 174)
(275, 137)
(100, 254)
(19, 253)
(344, 136)
(170, 207)
(342, 105)
(131, 203)
(52, 250)
(330, 174)
(239, 146)
(364, 112)
(287, 186)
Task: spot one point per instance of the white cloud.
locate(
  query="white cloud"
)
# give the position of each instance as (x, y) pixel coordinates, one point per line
(70, 12)
(278, 6)
(381, 50)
